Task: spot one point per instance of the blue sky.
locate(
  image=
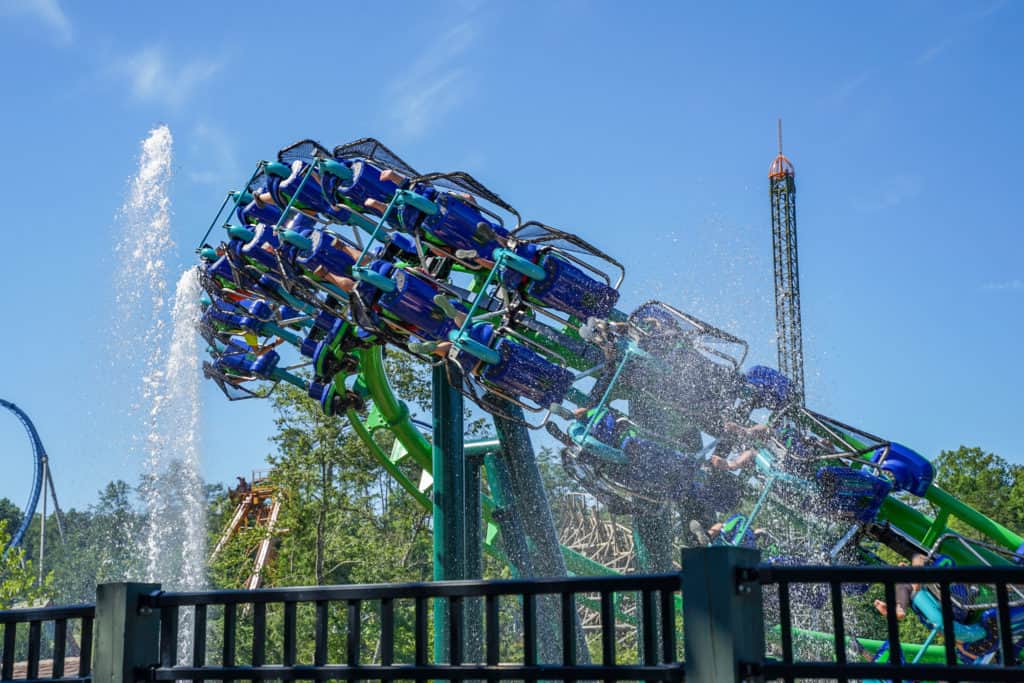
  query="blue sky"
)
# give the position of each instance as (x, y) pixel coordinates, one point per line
(648, 129)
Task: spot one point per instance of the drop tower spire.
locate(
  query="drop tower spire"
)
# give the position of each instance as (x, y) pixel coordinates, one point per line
(789, 335)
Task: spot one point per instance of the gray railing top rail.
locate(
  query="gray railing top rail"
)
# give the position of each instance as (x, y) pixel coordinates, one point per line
(442, 672)
(817, 574)
(432, 589)
(25, 614)
(856, 671)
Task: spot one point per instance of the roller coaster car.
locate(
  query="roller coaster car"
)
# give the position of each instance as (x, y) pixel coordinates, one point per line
(674, 369)
(910, 471)
(300, 178)
(375, 151)
(659, 325)
(552, 269)
(233, 386)
(593, 474)
(905, 468)
(397, 303)
(487, 360)
(451, 215)
(236, 366)
(334, 398)
(975, 628)
(352, 175)
(252, 211)
(853, 494)
(290, 261)
(222, 318)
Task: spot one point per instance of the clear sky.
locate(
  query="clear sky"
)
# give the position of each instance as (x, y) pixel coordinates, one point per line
(645, 127)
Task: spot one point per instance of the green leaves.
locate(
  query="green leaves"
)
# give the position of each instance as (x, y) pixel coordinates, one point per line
(986, 482)
(18, 585)
(344, 519)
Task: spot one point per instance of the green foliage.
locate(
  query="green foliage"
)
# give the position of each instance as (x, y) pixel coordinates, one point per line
(10, 514)
(19, 583)
(986, 482)
(344, 519)
(100, 544)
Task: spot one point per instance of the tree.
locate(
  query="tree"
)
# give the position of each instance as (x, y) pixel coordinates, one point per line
(102, 543)
(986, 482)
(18, 576)
(10, 514)
(344, 519)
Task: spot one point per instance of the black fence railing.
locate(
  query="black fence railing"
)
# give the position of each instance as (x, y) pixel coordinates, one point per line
(47, 643)
(987, 636)
(459, 630)
(740, 621)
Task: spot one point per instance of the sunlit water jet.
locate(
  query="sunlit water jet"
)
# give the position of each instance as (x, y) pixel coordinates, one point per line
(164, 349)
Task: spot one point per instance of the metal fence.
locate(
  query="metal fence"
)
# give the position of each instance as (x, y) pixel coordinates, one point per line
(996, 652)
(457, 655)
(47, 643)
(513, 630)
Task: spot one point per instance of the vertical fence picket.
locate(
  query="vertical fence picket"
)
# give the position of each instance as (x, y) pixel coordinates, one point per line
(891, 623)
(1005, 629)
(649, 630)
(355, 639)
(838, 629)
(668, 626)
(60, 645)
(530, 630)
(568, 609)
(288, 649)
(199, 636)
(608, 625)
(35, 635)
(259, 634)
(230, 627)
(168, 636)
(946, 599)
(320, 636)
(456, 625)
(420, 639)
(85, 656)
(10, 638)
(786, 625)
(493, 628)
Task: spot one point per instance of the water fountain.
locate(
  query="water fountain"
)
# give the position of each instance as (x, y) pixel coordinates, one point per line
(168, 402)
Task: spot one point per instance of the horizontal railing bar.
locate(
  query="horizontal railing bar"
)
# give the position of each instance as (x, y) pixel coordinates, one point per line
(811, 574)
(66, 679)
(663, 672)
(930, 672)
(437, 589)
(17, 616)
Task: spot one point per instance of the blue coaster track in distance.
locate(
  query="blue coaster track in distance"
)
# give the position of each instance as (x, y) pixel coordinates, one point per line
(38, 455)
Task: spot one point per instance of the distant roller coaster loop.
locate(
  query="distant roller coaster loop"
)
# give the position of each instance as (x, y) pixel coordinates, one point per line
(39, 458)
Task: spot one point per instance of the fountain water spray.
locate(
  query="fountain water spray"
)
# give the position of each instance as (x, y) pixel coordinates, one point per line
(175, 497)
(167, 352)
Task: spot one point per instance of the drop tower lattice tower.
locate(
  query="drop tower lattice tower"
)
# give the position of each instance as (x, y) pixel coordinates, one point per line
(789, 336)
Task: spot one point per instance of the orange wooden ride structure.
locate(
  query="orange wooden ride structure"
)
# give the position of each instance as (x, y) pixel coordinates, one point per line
(257, 506)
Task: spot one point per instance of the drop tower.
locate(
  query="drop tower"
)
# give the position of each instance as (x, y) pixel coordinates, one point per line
(789, 336)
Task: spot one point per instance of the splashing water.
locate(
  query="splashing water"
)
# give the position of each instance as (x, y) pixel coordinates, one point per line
(141, 278)
(174, 491)
(165, 347)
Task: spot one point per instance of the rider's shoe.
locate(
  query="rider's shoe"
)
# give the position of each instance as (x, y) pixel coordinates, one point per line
(698, 531)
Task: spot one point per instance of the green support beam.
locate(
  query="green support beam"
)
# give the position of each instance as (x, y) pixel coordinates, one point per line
(449, 495)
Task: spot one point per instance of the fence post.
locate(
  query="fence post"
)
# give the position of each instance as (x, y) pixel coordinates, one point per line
(126, 639)
(723, 619)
